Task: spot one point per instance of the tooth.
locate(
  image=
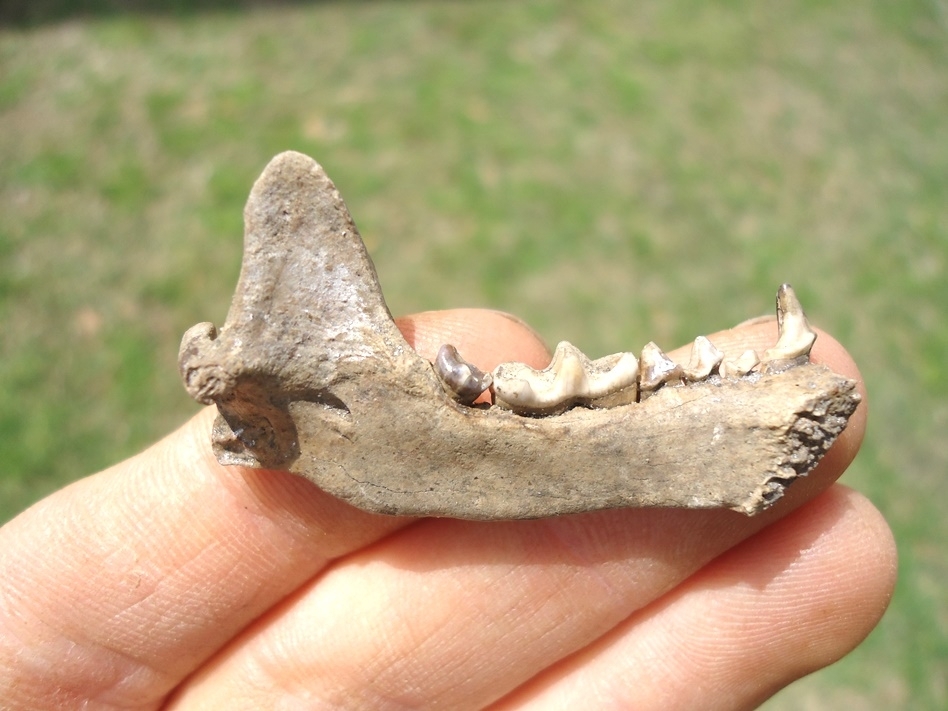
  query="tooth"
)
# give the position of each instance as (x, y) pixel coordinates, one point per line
(462, 379)
(569, 379)
(705, 359)
(657, 368)
(740, 367)
(613, 380)
(795, 337)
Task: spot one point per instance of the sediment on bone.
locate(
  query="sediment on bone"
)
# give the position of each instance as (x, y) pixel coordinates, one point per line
(463, 380)
(571, 378)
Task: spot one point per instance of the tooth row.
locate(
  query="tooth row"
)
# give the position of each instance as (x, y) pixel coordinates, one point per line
(572, 378)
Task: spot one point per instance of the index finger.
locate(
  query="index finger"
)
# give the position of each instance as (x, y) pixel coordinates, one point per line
(120, 585)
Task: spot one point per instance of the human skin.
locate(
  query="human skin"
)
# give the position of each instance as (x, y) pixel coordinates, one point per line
(171, 582)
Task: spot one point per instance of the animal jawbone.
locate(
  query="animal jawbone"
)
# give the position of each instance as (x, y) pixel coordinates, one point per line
(309, 374)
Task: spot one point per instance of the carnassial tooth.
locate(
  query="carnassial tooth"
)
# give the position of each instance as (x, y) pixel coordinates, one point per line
(745, 363)
(795, 337)
(657, 368)
(705, 359)
(570, 378)
(613, 380)
(463, 380)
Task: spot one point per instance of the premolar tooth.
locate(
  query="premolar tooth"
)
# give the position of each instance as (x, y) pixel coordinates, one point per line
(462, 379)
(740, 367)
(657, 368)
(570, 378)
(705, 359)
(795, 337)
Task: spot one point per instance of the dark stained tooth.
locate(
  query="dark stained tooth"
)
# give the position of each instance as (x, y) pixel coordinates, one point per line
(462, 379)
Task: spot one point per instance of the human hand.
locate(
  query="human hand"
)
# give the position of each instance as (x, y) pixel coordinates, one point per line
(169, 581)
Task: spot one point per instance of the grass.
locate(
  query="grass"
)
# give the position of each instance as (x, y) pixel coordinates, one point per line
(613, 173)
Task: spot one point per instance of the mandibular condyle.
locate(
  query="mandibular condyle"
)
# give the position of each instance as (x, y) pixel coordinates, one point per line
(310, 374)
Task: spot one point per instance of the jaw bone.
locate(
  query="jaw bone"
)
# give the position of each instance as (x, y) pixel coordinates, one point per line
(310, 375)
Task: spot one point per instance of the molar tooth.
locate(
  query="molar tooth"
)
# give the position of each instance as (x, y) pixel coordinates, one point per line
(795, 337)
(705, 359)
(462, 379)
(569, 379)
(614, 380)
(745, 363)
(657, 368)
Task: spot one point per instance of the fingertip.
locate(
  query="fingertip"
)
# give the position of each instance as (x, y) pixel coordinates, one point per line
(484, 337)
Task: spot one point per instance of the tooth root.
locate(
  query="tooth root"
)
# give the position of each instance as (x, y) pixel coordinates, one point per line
(705, 359)
(795, 337)
(570, 378)
(463, 380)
(745, 363)
(657, 368)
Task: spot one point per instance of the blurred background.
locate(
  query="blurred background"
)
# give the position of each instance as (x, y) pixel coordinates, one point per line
(612, 172)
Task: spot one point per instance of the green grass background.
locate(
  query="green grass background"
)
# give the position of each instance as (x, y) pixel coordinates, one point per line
(613, 172)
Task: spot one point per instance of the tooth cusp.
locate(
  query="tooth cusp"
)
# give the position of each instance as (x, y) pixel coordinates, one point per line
(657, 368)
(741, 366)
(705, 359)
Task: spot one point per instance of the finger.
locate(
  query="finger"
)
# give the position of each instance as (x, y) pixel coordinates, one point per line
(117, 587)
(456, 614)
(483, 337)
(787, 602)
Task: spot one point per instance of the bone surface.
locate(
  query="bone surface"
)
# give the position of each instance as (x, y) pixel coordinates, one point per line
(310, 375)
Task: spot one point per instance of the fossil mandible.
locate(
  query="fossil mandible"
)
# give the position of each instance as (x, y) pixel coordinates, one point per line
(310, 374)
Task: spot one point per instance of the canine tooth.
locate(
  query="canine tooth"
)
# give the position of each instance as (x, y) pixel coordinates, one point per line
(745, 363)
(705, 358)
(569, 378)
(463, 380)
(657, 368)
(795, 337)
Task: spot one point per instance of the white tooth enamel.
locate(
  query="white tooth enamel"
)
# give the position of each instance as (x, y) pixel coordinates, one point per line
(740, 367)
(657, 368)
(462, 379)
(795, 337)
(570, 378)
(705, 359)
